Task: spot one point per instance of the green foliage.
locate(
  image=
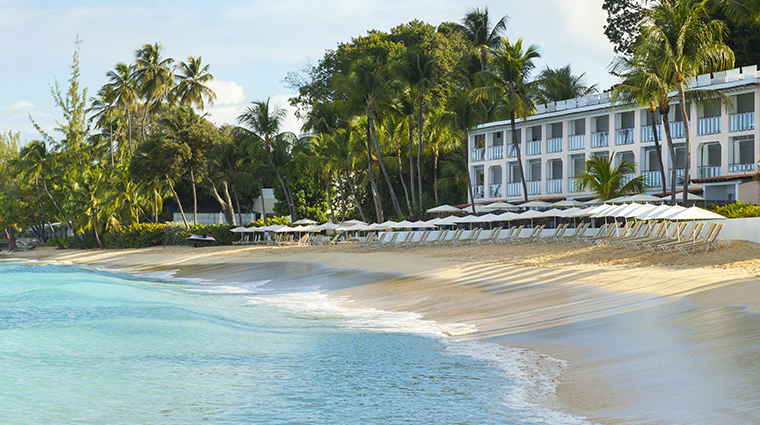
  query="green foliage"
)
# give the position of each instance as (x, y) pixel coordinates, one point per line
(141, 235)
(607, 181)
(220, 232)
(272, 221)
(737, 210)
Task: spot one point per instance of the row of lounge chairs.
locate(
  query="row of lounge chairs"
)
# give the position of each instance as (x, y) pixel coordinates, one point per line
(659, 237)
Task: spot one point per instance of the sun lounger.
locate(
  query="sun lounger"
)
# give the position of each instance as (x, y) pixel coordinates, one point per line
(631, 231)
(577, 234)
(710, 239)
(696, 230)
(474, 235)
(491, 236)
(423, 238)
(391, 241)
(558, 232)
(603, 230)
(676, 236)
(533, 236)
(611, 232)
(438, 240)
(657, 232)
(513, 235)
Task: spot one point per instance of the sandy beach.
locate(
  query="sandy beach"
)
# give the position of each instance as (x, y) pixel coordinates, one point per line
(648, 338)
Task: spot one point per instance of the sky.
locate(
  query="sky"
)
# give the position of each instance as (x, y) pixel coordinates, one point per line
(250, 45)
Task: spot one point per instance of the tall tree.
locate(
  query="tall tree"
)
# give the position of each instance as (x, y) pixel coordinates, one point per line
(193, 87)
(481, 32)
(681, 36)
(606, 181)
(553, 85)
(121, 81)
(154, 77)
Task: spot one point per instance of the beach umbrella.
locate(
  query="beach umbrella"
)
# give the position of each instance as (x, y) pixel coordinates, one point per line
(500, 206)
(352, 222)
(376, 226)
(665, 213)
(553, 213)
(636, 211)
(595, 201)
(535, 204)
(575, 212)
(507, 216)
(479, 208)
(489, 218)
(531, 214)
(624, 209)
(284, 229)
(695, 213)
(618, 200)
(305, 221)
(327, 226)
(643, 197)
(645, 215)
(603, 210)
(690, 197)
(567, 203)
(469, 219)
(389, 223)
(311, 228)
(239, 229)
(444, 209)
(448, 221)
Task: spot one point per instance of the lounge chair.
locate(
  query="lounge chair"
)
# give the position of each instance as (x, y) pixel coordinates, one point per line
(513, 234)
(558, 232)
(423, 238)
(678, 232)
(391, 241)
(407, 238)
(472, 238)
(603, 230)
(631, 231)
(533, 236)
(710, 239)
(612, 231)
(577, 234)
(491, 238)
(657, 231)
(454, 238)
(693, 235)
(441, 237)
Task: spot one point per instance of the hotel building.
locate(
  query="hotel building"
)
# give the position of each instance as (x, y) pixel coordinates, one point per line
(557, 140)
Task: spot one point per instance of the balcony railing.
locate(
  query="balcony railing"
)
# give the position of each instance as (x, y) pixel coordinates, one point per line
(513, 189)
(533, 147)
(677, 130)
(708, 125)
(477, 191)
(571, 185)
(478, 154)
(494, 190)
(554, 186)
(554, 145)
(647, 135)
(741, 122)
(627, 177)
(511, 151)
(495, 152)
(534, 187)
(652, 178)
(735, 168)
(679, 175)
(576, 143)
(707, 171)
(600, 139)
(624, 136)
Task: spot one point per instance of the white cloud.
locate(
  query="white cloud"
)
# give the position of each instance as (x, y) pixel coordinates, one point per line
(225, 114)
(290, 123)
(20, 105)
(227, 92)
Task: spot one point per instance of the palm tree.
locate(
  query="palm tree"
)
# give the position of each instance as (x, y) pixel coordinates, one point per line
(154, 77)
(553, 85)
(608, 182)
(419, 70)
(122, 84)
(511, 67)
(104, 107)
(651, 90)
(263, 126)
(30, 162)
(680, 36)
(192, 89)
(476, 27)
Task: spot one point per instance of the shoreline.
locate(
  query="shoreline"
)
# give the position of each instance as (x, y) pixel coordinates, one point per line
(512, 296)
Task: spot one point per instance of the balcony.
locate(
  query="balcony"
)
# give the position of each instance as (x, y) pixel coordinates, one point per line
(706, 171)
(554, 186)
(554, 145)
(571, 186)
(708, 125)
(736, 168)
(600, 139)
(576, 143)
(679, 175)
(741, 122)
(494, 190)
(627, 177)
(533, 147)
(677, 130)
(477, 192)
(513, 189)
(624, 136)
(495, 152)
(478, 154)
(652, 178)
(647, 135)
(534, 187)
(511, 151)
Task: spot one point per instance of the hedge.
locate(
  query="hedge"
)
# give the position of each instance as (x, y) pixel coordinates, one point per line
(737, 210)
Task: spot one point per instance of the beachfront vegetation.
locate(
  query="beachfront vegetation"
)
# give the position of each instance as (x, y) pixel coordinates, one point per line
(608, 181)
(386, 119)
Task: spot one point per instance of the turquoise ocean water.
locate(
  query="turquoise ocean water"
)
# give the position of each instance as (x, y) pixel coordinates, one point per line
(85, 346)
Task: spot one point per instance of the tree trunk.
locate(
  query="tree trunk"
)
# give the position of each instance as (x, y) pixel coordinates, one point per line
(179, 204)
(519, 155)
(401, 178)
(10, 236)
(396, 207)
(145, 116)
(673, 176)
(419, 151)
(95, 231)
(329, 197)
(658, 148)
(342, 200)
(435, 175)
(237, 204)
(467, 173)
(263, 206)
(60, 211)
(44, 214)
(129, 131)
(411, 162)
(110, 138)
(288, 198)
(155, 206)
(373, 186)
(226, 208)
(226, 188)
(687, 160)
(356, 199)
(195, 198)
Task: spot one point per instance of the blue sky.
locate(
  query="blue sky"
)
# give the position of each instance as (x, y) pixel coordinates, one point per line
(250, 45)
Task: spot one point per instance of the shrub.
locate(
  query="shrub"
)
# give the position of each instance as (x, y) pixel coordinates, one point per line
(737, 210)
(134, 236)
(272, 221)
(220, 232)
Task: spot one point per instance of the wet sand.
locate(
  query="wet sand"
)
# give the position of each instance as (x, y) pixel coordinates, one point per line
(649, 338)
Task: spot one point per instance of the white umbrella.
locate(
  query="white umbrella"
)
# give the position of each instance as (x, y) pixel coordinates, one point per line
(576, 212)
(327, 226)
(531, 214)
(284, 229)
(635, 212)
(469, 219)
(595, 201)
(489, 218)
(450, 220)
(553, 213)
(535, 204)
(305, 221)
(478, 208)
(354, 222)
(508, 216)
(609, 212)
(497, 206)
(239, 230)
(666, 213)
(645, 215)
(618, 200)
(690, 197)
(626, 208)
(696, 213)
(376, 226)
(603, 210)
(389, 223)
(442, 209)
(643, 197)
(311, 228)
(409, 225)
(568, 203)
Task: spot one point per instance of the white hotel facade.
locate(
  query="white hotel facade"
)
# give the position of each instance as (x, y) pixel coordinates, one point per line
(557, 140)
